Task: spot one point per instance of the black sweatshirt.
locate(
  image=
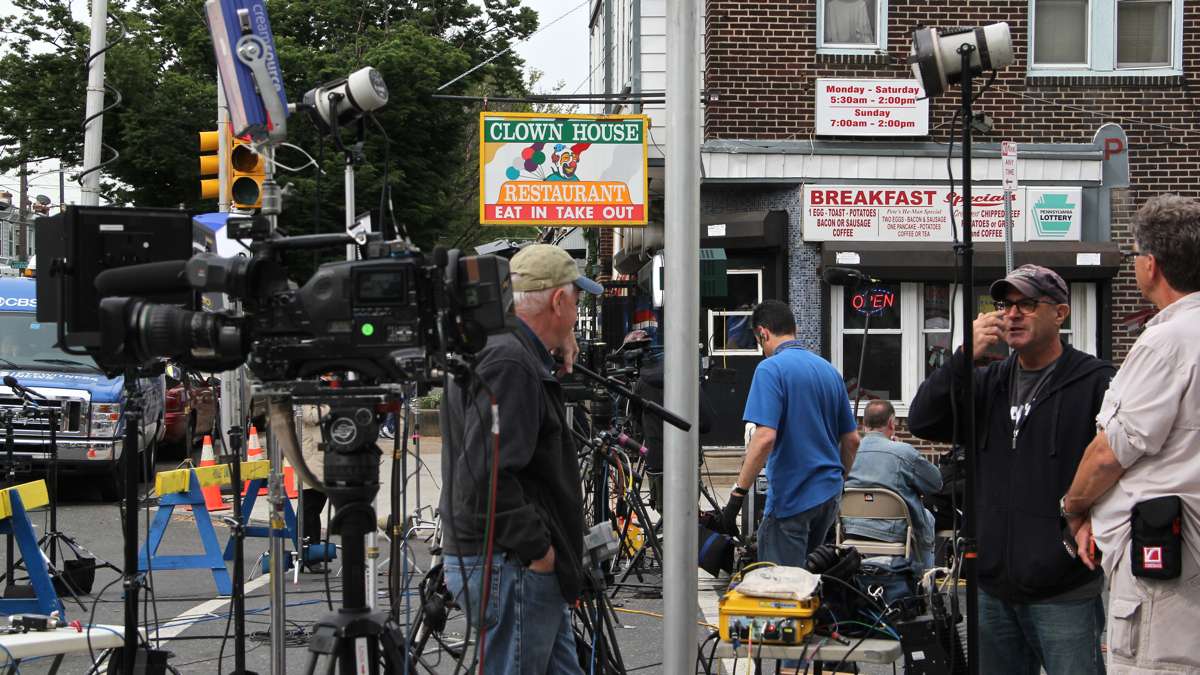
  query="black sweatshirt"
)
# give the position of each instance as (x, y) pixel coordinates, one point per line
(539, 500)
(1021, 477)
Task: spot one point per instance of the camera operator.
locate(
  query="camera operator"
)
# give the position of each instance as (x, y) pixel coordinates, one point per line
(535, 515)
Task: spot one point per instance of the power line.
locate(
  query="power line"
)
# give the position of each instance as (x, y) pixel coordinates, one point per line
(513, 45)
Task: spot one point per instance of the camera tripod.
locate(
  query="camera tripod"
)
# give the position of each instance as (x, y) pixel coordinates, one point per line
(354, 639)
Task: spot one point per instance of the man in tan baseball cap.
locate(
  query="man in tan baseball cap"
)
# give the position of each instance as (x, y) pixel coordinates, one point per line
(546, 288)
(541, 266)
(536, 513)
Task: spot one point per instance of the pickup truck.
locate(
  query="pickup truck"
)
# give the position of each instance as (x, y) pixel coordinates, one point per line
(91, 420)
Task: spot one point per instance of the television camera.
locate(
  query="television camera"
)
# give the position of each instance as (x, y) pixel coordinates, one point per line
(394, 317)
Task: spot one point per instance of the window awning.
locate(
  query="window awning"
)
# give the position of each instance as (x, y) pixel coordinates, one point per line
(1074, 260)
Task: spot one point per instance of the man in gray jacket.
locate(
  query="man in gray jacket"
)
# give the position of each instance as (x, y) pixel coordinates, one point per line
(885, 463)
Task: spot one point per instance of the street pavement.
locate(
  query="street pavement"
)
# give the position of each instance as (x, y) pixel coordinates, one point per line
(184, 616)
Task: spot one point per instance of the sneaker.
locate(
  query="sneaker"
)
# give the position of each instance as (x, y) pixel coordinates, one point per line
(385, 432)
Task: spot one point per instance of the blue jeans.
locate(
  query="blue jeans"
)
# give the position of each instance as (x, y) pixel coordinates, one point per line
(788, 541)
(1021, 639)
(527, 621)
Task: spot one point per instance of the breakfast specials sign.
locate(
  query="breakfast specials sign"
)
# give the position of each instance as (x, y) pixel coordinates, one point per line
(922, 213)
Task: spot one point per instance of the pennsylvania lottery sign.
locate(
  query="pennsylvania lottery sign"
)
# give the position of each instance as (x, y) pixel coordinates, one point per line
(537, 169)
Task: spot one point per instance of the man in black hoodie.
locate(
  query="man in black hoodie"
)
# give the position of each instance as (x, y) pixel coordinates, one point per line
(1039, 607)
(510, 477)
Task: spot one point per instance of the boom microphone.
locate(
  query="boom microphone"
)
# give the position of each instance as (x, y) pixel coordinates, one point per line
(148, 280)
(25, 392)
(846, 276)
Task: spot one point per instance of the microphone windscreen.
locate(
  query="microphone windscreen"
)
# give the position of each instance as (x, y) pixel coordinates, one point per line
(10, 381)
(842, 276)
(157, 278)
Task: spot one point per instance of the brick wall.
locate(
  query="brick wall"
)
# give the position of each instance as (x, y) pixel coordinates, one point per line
(761, 65)
(804, 285)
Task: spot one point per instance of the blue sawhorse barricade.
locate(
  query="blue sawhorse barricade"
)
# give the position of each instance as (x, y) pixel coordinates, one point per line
(257, 472)
(14, 520)
(183, 488)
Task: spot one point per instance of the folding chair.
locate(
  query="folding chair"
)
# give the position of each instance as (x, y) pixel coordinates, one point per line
(880, 504)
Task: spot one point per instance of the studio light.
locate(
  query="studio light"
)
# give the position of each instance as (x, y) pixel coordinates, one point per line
(935, 58)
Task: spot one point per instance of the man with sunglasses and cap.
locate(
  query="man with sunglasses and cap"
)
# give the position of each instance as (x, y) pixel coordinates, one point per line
(1035, 411)
(531, 520)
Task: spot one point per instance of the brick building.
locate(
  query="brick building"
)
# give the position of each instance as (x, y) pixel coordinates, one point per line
(1098, 100)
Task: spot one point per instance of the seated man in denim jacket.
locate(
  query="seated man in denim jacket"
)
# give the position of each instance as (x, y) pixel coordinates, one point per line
(896, 466)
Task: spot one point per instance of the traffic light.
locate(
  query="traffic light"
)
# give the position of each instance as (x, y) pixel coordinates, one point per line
(210, 164)
(246, 175)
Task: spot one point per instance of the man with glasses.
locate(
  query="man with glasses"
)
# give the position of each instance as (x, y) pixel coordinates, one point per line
(1147, 449)
(1039, 607)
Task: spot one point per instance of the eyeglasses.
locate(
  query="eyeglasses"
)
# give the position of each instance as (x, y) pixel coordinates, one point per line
(1026, 306)
(1130, 255)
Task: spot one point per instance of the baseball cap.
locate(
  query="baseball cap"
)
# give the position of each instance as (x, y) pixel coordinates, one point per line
(1033, 281)
(541, 266)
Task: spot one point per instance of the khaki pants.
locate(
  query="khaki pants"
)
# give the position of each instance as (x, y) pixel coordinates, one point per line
(1154, 626)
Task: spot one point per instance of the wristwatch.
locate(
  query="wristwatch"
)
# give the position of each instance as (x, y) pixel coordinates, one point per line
(1062, 510)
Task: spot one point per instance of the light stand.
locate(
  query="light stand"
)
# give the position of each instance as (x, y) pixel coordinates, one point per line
(10, 479)
(862, 360)
(967, 252)
(238, 532)
(937, 59)
(129, 659)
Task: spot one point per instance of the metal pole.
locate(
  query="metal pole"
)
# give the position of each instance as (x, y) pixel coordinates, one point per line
(351, 249)
(372, 537)
(223, 139)
(133, 578)
(682, 315)
(967, 437)
(1008, 225)
(275, 490)
(276, 496)
(234, 458)
(94, 131)
(22, 215)
(230, 403)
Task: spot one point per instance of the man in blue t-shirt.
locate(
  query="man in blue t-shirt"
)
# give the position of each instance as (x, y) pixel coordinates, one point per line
(806, 435)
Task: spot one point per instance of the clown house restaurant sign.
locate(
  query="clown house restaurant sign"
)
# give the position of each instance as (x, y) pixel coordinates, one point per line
(537, 169)
(922, 213)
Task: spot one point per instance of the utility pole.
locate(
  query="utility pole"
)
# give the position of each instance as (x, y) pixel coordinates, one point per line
(22, 216)
(682, 310)
(93, 131)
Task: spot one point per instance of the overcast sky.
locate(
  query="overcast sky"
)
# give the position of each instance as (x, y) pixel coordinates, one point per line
(560, 51)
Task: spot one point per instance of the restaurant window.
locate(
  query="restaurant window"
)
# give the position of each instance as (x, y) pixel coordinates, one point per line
(912, 329)
(729, 330)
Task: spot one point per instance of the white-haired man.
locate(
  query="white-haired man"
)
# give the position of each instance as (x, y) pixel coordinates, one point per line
(531, 517)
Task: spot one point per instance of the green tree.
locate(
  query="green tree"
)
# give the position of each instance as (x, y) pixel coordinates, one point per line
(165, 73)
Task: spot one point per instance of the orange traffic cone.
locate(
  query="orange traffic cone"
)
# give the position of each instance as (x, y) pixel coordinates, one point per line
(289, 480)
(212, 493)
(254, 453)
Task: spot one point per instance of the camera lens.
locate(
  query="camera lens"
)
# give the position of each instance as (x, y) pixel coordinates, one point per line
(166, 330)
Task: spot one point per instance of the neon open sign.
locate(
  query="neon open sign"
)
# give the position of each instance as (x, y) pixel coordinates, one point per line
(873, 302)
